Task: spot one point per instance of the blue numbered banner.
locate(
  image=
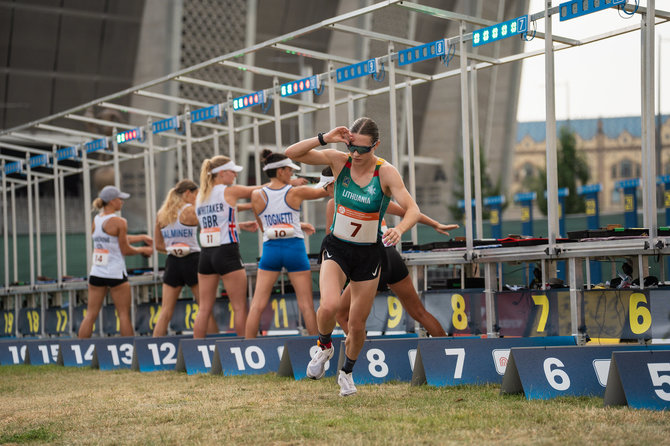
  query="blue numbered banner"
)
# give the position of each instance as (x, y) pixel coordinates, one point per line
(456, 361)
(78, 314)
(56, 321)
(76, 352)
(543, 373)
(388, 316)
(248, 356)
(113, 353)
(146, 316)
(640, 379)
(153, 354)
(533, 313)
(30, 322)
(660, 314)
(298, 351)
(460, 312)
(41, 351)
(111, 325)
(613, 315)
(382, 360)
(8, 322)
(195, 355)
(12, 352)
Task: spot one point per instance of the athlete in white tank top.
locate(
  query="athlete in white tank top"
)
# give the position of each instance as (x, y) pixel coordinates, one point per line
(218, 224)
(180, 239)
(279, 219)
(108, 262)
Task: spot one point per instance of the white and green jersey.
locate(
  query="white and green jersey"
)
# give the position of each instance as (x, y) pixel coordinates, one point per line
(358, 210)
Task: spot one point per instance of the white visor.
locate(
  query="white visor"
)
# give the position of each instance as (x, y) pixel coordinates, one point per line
(228, 166)
(325, 181)
(286, 162)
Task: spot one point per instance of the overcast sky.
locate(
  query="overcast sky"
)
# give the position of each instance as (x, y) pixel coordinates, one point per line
(600, 79)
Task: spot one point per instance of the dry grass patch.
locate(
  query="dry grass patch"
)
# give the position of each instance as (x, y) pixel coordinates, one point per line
(58, 405)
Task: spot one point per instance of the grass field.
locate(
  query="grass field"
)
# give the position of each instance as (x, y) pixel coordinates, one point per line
(56, 405)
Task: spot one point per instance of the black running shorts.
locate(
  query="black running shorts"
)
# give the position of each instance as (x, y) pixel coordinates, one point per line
(358, 262)
(393, 269)
(180, 271)
(220, 260)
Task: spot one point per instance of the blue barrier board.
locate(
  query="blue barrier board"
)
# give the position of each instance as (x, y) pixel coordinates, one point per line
(550, 372)
(456, 361)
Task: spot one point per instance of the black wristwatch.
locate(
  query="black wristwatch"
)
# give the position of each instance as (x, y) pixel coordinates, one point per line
(321, 140)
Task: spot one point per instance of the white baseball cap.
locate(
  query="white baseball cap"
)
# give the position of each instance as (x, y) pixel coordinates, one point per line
(108, 193)
(324, 181)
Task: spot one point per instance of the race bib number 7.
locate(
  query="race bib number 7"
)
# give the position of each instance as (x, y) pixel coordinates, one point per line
(356, 226)
(210, 237)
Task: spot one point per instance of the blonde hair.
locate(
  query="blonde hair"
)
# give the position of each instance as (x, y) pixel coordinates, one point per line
(206, 177)
(98, 204)
(169, 210)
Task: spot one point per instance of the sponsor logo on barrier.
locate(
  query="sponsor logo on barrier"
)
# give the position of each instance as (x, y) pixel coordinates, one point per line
(500, 358)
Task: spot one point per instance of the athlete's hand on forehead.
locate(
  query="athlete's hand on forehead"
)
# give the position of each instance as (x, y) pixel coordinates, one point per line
(339, 134)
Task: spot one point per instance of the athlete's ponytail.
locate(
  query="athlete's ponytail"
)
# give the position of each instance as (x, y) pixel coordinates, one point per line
(169, 211)
(98, 204)
(206, 176)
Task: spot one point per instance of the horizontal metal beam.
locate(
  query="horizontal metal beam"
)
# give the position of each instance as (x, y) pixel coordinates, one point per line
(343, 60)
(207, 63)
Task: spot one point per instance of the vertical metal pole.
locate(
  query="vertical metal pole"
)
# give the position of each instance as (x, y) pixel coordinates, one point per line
(650, 161)
(350, 109)
(59, 259)
(644, 118)
(215, 140)
(61, 188)
(393, 127)
(552, 163)
(475, 151)
(151, 190)
(574, 319)
(489, 296)
(180, 161)
(38, 230)
(85, 174)
(332, 113)
(306, 205)
(31, 224)
(277, 110)
(467, 192)
(410, 149)
(231, 129)
(5, 227)
(117, 167)
(189, 149)
(257, 172)
(14, 246)
(393, 112)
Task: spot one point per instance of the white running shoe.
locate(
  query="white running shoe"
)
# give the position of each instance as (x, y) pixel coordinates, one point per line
(317, 366)
(346, 382)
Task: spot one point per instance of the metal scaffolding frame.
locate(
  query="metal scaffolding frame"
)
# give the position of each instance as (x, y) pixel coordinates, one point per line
(67, 143)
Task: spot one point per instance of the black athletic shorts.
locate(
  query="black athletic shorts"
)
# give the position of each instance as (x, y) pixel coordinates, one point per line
(358, 262)
(103, 281)
(180, 271)
(393, 269)
(220, 260)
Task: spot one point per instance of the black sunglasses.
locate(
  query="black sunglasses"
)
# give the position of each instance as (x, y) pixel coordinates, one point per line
(360, 149)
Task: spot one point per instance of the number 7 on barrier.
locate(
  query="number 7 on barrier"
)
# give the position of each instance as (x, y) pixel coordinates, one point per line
(460, 360)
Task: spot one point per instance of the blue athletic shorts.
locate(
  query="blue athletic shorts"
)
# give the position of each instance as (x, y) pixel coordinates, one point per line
(289, 253)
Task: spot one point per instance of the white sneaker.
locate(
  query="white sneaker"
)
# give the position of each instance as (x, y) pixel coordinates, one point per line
(317, 366)
(346, 382)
